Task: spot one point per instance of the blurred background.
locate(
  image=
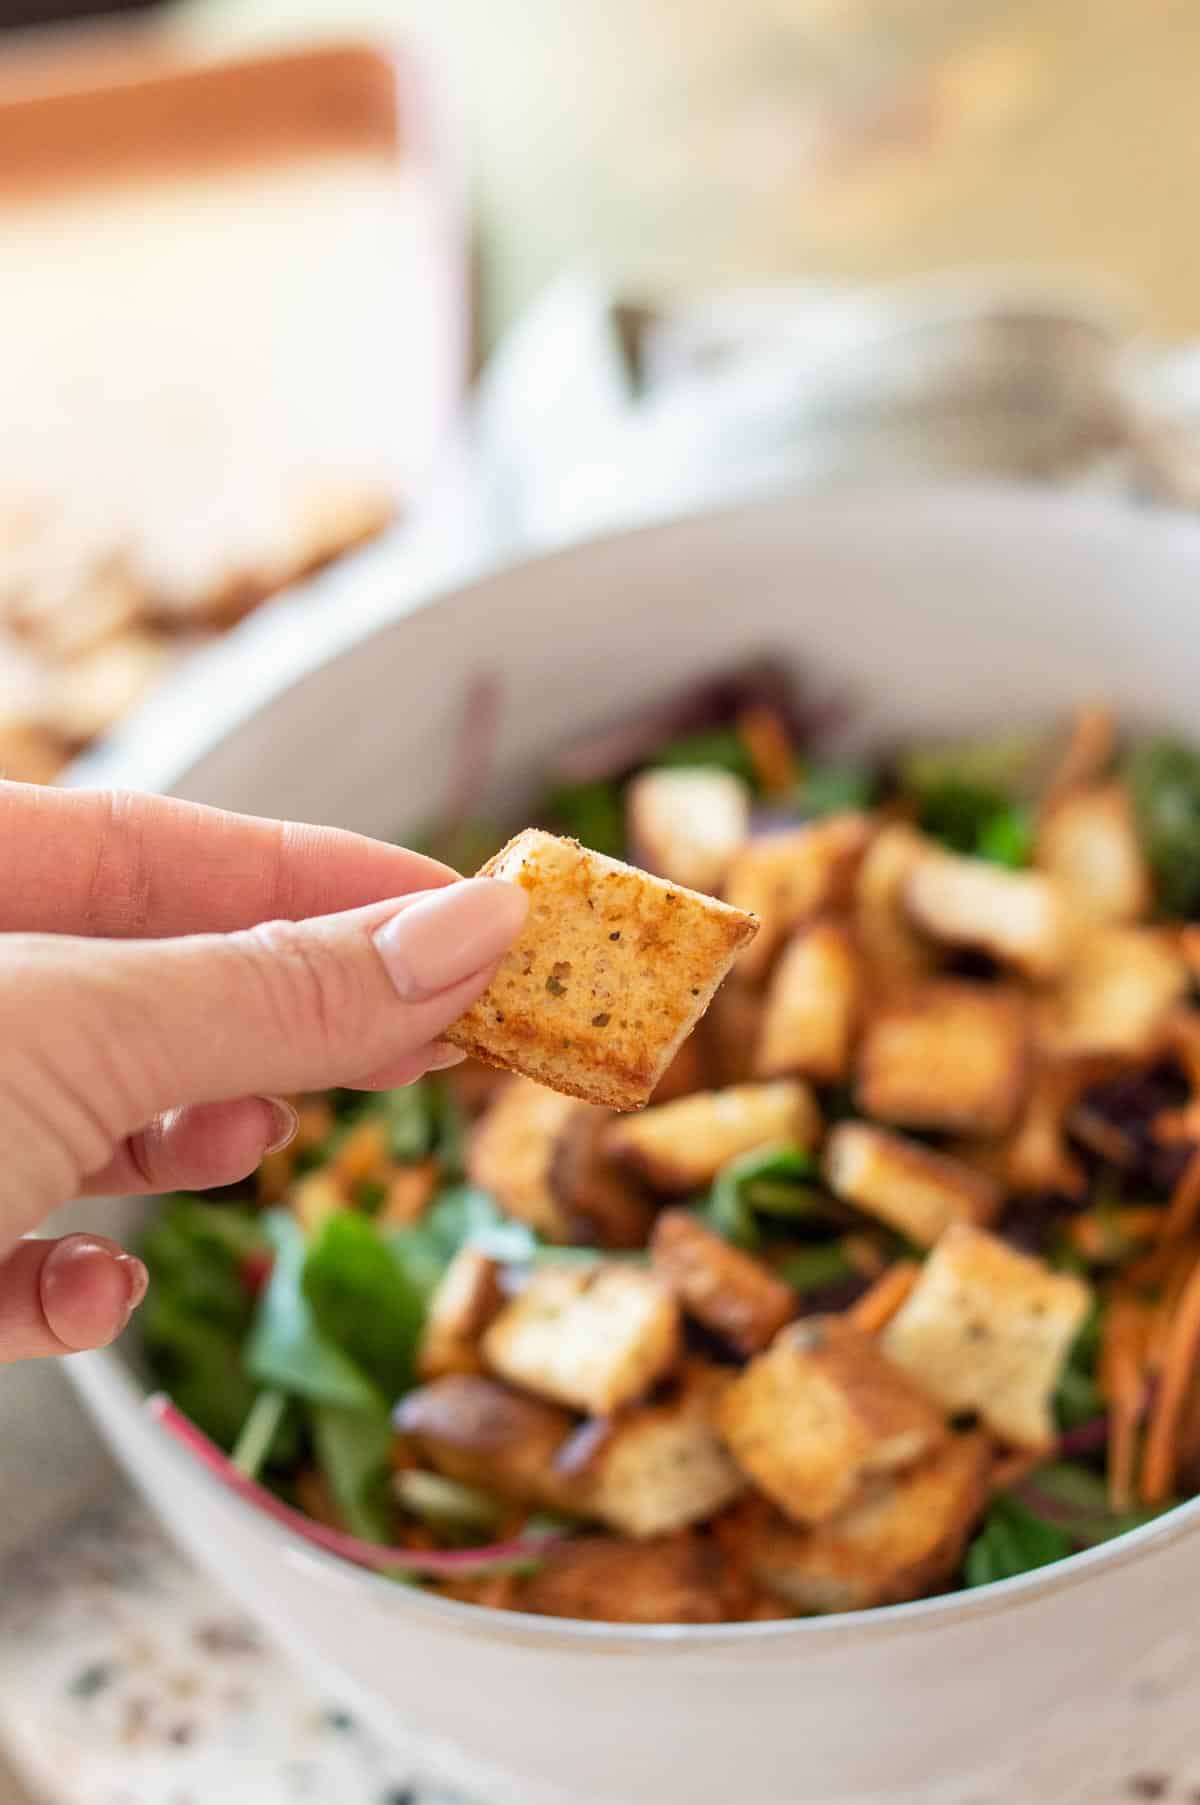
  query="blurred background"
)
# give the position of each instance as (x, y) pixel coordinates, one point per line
(293, 290)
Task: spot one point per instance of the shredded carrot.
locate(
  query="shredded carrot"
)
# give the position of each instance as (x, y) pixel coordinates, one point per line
(1122, 1381)
(1183, 1211)
(1156, 1267)
(876, 1307)
(1102, 1234)
(1167, 1412)
(769, 744)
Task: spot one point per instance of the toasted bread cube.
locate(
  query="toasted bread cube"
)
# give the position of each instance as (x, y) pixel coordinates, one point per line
(730, 1031)
(952, 1054)
(1035, 1156)
(1022, 918)
(912, 1189)
(987, 1329)
(821, 1412)
(481, 1433)
(787, 878)
(467, 1297)
(686, 825)
(895, 954)
(726, 1290)
(658, 1468)
(1116, 994)
(677, 1146)
(812, 1006)
(603, 1205)
(608, 977)
(595, 1340)
(1089, 843)
(904, 1539)
(511, 1153)
(605, 1579)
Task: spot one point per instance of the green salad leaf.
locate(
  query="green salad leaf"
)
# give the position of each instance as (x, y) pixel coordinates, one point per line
(975, 796)
(776, 1180)
(592, 813)
(1077, 1398)
(1013, 1540)
(287, 1348)
(816, 1267)
(828, 789)
(362, 1300)
(719, 747)
(1164, 781)
(353, 1448)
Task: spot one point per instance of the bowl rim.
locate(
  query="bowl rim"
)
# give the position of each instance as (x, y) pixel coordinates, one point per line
(105, 1374)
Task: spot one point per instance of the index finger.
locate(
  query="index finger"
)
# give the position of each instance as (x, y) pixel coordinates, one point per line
(123, 865)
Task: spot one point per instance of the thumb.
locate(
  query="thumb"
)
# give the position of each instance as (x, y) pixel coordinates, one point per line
(102, 1036)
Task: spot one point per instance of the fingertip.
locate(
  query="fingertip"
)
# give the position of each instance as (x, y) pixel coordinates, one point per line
(89, 1287)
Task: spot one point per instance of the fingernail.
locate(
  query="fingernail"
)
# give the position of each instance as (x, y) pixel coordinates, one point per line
(136, 1280)
(447, 935)
(443, 1055)
(284, 1123)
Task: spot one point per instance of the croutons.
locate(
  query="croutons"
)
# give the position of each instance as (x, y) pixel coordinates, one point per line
(677, 1579)
(821, 1412)
(904, 1539)
(676, 1146)
(686, 824)
(904, 1184)
(1089, 842)
(604, 1206)
(951, 1055)
(511, 1154)
(788, 878)
(987, 1329)
(811, 1007)
(1022, 918)
(656, 1469)
(468, 1296)
(608, 977)
(894, 952)
(1115, 995)
(726, 1290)
(596, 1339)
(481, 1433)
(1035, 1156)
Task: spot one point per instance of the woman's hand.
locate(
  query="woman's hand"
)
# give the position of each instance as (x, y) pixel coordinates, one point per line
(164, 970)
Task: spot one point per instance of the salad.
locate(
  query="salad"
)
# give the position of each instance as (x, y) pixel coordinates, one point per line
(894, 1288)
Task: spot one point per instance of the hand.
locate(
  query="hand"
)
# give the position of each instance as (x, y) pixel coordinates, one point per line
(164, 970)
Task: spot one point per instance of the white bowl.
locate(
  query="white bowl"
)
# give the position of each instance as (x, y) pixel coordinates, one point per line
(946, 609)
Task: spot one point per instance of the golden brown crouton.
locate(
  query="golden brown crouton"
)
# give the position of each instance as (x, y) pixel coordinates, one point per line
(676, 1146)
(730, 1031)
(951, 1054)
(812, 1006)
(904, 1539)
(602, 1204)
(895, 954)
(1022, 918)
(1115, 995)
(906, 1185)
(481, 1433)
(604, 1579)
(729, 1291)
(1035, 1154)
(655, 1469)
(595, 1339)
(608, 977)
(821, 1412)
(511, 1153)
(686, 825)
(788, 878)
(467, 1297)
(1089, 842)
(987, 1329)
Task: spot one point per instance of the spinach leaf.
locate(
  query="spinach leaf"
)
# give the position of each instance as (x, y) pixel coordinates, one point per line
(1164, 781)
(829, 789)
(815, 1267)
(200, 1364)
(774, 1179)
(1005, 837)
(1077, 1398)
(287, 1348)
(1013, 1540)
(975, 796)
(362, 1301)
(719, 747)
(353, 1448)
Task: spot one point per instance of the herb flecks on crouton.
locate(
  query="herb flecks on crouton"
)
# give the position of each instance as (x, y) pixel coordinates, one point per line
(610, 974)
